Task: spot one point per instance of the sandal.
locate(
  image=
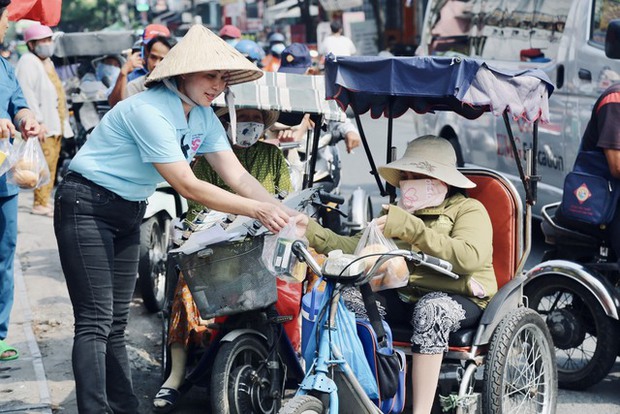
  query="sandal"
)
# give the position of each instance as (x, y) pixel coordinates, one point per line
(6, 348)
(169, 397)
(40, 210)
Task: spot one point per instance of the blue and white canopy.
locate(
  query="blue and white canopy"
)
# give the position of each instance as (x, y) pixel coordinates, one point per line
(426, 84)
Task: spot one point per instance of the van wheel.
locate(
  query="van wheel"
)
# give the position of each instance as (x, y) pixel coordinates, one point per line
(152, 265)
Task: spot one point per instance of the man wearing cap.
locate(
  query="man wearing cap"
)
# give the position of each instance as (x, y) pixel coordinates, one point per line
(432, 215)
(101, 202)
(13, 111)
(231, 34)
(156, 43)
(45, 95)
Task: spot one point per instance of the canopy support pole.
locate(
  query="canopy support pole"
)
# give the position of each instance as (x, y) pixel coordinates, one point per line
(389, 187)
(525, 180)
(308, 180)
(371, 161)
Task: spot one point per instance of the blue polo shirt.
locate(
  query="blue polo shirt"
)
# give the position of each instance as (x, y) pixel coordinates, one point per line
(11, 101)
(149, 127)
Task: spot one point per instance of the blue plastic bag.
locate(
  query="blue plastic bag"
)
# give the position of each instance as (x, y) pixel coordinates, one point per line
(345, 337)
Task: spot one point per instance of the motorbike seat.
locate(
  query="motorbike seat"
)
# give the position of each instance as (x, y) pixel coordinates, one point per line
(559, 235)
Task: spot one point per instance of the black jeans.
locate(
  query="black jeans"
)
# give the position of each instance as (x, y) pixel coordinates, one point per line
(98, 236)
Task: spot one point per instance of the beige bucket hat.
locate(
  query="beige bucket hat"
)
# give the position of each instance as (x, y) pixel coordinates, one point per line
(269, 117)
(202, 50)
(431, 156)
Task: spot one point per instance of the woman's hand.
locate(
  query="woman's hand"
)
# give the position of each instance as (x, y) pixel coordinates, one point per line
(7, 129)
(29, 127)
(380, 221)
(301, 224)
(272, 216)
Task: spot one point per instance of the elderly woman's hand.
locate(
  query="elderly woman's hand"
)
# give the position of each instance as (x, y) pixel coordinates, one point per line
(301, 224)
(380, 221)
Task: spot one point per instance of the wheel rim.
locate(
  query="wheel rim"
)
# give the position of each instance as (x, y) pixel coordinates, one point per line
(157, 257)
(567, 317)
(249, 391)
(248, 369)
(527, 384)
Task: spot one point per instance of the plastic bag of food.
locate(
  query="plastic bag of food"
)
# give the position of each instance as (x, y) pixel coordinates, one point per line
(394, 272)
(278, 258)
(29, 169)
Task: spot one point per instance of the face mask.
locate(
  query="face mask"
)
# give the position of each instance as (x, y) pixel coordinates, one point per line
(248, 133)
(44, 50)
(107, 73)
(232, 42)
(422, 193)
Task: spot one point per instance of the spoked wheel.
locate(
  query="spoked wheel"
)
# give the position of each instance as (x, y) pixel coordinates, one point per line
(519, 375)
(240, 381)
(586, 340)
(152, 266)
(303, 404)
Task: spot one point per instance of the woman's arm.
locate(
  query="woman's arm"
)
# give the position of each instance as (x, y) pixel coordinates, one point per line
(180, 176)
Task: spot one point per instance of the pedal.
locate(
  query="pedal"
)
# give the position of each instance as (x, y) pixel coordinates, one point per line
(280, 319)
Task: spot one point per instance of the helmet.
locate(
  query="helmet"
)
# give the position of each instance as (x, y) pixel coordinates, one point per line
(231, 31)
(250, 49)
(155, 30)
(276, 38)
(37, 31)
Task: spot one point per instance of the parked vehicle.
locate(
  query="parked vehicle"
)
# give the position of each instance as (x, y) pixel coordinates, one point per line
(512, 344)
(576, 288)
(563, 38)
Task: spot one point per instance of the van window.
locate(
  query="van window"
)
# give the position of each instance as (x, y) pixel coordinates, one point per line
(512, 30)
(604, 11)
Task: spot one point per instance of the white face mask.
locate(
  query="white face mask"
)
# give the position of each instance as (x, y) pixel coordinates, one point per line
(44, 50)
(418, 194)
(248, 133)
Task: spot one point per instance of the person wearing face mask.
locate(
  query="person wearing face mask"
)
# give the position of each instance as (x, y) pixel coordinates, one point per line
(267, 164)
(100, 204)
(433, 215)
(45, 95)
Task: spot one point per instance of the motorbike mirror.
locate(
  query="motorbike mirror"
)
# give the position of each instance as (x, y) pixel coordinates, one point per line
(612, 40)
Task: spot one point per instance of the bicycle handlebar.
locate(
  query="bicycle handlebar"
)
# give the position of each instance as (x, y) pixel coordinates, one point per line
(418, 259)
(326, 197)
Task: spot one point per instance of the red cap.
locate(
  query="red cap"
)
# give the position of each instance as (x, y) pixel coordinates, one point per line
(230, 31)
(154, 30)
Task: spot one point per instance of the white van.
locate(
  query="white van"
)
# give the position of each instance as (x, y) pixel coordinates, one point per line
(565, 38)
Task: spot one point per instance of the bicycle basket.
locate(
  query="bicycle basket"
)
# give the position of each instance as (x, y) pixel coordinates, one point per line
(229, 277)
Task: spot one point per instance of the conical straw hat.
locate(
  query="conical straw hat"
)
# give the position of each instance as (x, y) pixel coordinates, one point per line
(202, 50)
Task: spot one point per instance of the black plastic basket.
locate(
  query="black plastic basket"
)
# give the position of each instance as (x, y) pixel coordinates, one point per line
(229, 278)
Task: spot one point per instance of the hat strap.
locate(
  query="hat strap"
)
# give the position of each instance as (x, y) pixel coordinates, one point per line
(229, 97)
(180, 94)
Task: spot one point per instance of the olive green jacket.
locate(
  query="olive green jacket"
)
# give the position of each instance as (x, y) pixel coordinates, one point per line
(458, 230)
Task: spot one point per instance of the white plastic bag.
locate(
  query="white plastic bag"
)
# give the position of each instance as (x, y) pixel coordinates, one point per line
(392, 274)
(5, 151)
(278, 258)
(29, 168)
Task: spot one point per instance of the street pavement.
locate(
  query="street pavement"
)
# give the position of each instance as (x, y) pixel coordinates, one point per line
(42, 324)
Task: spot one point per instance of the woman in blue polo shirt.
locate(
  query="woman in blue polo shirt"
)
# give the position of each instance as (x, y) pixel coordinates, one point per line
(99, 206)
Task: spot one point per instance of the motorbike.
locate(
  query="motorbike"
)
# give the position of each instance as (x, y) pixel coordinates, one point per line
(576, 288)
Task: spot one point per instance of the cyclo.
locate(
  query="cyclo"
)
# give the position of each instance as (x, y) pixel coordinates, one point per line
(249, 360)
(505, 364)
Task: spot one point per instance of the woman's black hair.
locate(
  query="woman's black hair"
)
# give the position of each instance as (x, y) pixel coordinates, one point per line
(166, 41)
(3, 5)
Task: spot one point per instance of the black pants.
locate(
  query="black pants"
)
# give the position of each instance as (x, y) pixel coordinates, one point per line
(98, 236)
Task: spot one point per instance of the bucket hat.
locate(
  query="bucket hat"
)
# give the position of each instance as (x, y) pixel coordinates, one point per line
(202, 50)
(269, 117)
(431, 156)
(228, 30)
(37, 31)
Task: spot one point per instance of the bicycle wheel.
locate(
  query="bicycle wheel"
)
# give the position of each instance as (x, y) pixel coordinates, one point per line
(240, 381)
(520, 375)
(302, 404)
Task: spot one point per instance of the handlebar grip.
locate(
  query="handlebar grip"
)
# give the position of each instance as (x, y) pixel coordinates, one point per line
(326, 197)
(437, 262)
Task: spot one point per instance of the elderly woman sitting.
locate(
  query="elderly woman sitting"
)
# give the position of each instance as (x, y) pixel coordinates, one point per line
(433, 215)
